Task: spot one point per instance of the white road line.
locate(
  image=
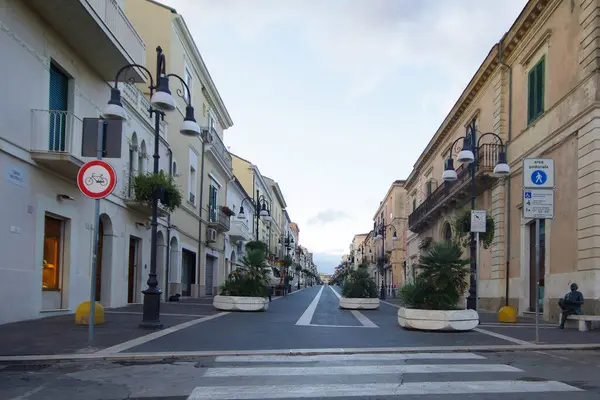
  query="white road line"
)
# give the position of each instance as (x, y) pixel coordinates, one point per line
(221, 372)
(500, 336)
(376, 389)
(155, 335)
(351, 357)
(366, 322)
(167, 314)
(310, 311)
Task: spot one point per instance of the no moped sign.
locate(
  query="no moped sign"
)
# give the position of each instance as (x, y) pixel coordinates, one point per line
(96, 179)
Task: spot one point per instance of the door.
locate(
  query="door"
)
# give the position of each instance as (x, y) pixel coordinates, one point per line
(132, 275)
(58, 105)
(188, 272)
(208, 280)
(532, 256)
(99, 262)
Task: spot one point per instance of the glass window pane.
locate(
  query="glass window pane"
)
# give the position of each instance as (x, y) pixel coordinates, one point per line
(52, 248)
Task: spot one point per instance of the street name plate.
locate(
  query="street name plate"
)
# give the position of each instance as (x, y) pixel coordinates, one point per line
(538, 203)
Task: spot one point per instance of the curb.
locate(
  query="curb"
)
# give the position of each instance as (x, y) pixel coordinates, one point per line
(287, 352)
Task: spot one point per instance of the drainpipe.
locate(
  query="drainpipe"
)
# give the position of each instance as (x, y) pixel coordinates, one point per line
(200, 258)
(168, 264)
(509, 137)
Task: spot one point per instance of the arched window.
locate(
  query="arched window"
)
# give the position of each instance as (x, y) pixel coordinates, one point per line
(133, 150)
(142, 158)
(447, 232)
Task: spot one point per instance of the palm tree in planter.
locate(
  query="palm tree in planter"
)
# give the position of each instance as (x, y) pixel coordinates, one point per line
(431, 301)
(359, 290)
(247, 287)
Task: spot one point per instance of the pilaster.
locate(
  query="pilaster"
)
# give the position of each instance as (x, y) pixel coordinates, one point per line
(498, 244)
(589, 42)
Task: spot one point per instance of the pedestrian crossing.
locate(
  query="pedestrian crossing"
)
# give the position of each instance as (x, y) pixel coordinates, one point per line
(365, 375)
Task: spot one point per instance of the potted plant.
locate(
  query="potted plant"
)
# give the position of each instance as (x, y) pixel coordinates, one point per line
(145, 185)
(246, 288)
(431, 301)
(359, 290)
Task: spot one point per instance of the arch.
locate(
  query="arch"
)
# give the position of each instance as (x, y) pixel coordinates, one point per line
(104, 259)
(160, 260)
(142, 158)
(446, 231)
(174, 263)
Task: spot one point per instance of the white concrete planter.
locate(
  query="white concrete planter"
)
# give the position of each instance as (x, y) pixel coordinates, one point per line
(238, 303)
(354, 303)
(438, 320)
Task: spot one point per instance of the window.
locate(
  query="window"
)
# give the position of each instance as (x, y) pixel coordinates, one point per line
(212, 203)
(428, 187)
(193, 177)
(414, 203)
(212, 123)
(535, 97)
(187, 77)
(53, 229)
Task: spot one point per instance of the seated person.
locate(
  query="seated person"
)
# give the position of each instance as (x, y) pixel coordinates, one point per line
(570, 304)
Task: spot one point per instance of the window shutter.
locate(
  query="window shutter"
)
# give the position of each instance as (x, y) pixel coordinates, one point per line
(540, 87)
(531, 96)
(58, 104)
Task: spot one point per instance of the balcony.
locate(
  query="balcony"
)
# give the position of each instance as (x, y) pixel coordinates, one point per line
(56, 141)
(98, 31)
(219, 151)
(219, 220)
(451, 195)
(239, 230)
(128, 196)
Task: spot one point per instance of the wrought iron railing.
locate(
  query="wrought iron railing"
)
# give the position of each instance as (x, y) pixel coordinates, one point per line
(219, 148)
(217, 217)
(56, 131)
(487, 158)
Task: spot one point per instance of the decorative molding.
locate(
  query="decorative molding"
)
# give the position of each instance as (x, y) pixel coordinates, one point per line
(526, 58)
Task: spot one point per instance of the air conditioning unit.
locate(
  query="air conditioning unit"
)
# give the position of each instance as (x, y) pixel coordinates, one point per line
(211, 235)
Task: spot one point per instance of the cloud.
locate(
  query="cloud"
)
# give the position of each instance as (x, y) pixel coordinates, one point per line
(326, 217)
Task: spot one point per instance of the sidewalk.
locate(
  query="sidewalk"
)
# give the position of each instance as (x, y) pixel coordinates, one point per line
(60, 335)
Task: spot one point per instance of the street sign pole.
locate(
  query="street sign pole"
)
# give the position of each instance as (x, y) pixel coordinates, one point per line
(99, 147)
(537, 281)
(477, 269)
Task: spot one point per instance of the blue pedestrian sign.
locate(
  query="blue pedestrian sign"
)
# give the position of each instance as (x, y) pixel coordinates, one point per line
(538, 173)
(539, 177)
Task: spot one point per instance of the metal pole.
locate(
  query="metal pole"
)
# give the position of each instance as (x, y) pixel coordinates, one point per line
(537, 281)
(257, 212)
(100, 141)
(472, 299)
(477, 269)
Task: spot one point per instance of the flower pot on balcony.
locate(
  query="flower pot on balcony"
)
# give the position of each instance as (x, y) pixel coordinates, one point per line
(355, 303)
(438, 320)
(239, 303)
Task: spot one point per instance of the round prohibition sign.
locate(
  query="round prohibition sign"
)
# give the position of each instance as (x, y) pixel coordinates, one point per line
(96, 179)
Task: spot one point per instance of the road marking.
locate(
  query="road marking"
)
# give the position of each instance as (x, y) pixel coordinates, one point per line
(155, 335)
(376, 389)
(310, 311)
(366, 322)
(167, 314)
(29, 393)
(221, 372)
(351, 357)
(500, 336)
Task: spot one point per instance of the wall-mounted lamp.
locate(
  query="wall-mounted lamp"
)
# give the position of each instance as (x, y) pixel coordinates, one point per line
(62, 196)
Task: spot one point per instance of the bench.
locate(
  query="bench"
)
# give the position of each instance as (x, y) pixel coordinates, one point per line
(584, 322)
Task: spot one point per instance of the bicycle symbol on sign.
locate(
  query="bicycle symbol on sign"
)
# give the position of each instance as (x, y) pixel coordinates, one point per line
(97, 178)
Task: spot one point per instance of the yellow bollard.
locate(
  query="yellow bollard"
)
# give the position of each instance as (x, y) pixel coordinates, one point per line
(82, 315)
(507, 314)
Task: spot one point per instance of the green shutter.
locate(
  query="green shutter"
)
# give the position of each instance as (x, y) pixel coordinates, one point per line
(540, 76)
(536, 87)
(531, 97)
(58, 100)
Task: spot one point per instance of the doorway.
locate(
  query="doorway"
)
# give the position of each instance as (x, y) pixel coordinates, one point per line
(209, 275)
(188, 272)
(134, 245)
(532, 254)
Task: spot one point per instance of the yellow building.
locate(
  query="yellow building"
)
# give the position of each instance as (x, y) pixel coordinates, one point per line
(537, 90)
(202, 166)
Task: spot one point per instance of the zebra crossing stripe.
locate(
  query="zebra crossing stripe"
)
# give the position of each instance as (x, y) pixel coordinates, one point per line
(358, 370)
(375, 389)
(348, 357)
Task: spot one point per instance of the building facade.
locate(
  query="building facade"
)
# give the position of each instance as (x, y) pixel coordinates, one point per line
(241, 230)
(537, 90)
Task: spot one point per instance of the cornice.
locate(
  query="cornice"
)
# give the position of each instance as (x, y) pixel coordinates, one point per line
(211, 93)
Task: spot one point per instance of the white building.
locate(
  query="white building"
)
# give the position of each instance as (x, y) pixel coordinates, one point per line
(55, 76)
(242, 224)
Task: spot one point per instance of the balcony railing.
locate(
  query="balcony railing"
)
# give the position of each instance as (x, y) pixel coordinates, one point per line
(218, 147)
(487, 159)
(218, 219)
(117, 22)
(137, 100)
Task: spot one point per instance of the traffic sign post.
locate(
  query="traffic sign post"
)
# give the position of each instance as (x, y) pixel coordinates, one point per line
(478, 225)
(96, 179)
(538, 203)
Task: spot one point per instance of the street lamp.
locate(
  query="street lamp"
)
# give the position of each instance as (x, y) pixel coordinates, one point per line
(261, 209)
(161, 102)
(469, 155)
(379, 234)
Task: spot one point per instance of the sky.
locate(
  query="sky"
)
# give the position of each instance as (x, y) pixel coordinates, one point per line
(336, 99)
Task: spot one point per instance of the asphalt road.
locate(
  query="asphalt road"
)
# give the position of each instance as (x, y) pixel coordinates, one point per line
(291, 323)
(447, 376)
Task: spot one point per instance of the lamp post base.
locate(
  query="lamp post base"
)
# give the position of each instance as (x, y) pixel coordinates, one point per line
(151, 316)
(471, 303)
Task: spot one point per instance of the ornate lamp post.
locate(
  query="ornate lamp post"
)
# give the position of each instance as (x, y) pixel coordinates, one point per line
(261, 210)
(161, 102)
(469, 155)
(379, 234)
